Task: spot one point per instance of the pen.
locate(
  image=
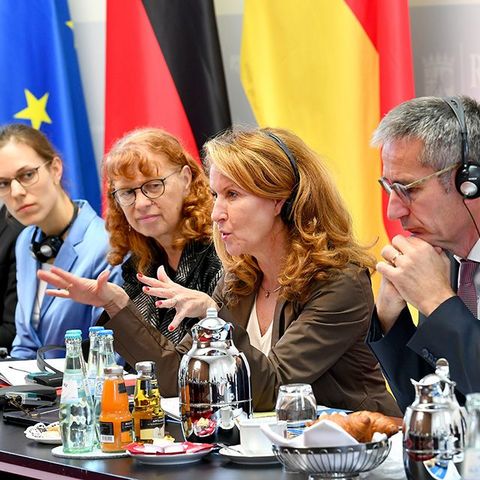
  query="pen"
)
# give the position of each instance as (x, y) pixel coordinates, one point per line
(18, 369)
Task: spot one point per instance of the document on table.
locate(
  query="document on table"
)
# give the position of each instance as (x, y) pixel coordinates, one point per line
(13, 372)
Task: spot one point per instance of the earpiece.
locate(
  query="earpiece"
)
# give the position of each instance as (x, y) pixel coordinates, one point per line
(467, 178)
(49, 246)
(286, 212)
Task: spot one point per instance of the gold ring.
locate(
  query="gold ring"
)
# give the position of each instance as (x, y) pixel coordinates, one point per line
(392, 261)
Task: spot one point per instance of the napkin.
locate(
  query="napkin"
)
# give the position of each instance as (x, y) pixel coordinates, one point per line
(321, 434)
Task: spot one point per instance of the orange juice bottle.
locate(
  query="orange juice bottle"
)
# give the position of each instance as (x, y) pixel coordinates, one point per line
(115, 418)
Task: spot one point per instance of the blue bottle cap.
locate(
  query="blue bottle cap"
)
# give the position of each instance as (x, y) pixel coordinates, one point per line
(95, 329)
(73, 334)
(74, 330)
(105, 332)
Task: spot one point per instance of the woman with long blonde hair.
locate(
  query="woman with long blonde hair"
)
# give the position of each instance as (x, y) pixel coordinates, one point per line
(296, 283)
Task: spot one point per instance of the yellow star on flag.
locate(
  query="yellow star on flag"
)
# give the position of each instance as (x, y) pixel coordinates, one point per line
(36, 110)
(69, 24)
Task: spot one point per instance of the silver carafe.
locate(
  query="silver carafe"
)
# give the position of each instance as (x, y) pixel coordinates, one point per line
(433, 427)
(214, 384)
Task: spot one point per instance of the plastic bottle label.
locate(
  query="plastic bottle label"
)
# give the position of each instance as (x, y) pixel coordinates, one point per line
(471, 465)
(107, 432)
(126, 426)
(151, 428)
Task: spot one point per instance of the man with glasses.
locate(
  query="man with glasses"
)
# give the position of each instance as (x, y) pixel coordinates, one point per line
(430, 147)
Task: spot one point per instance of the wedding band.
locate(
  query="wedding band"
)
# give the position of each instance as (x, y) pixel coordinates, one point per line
(68, 287)
(392, 261)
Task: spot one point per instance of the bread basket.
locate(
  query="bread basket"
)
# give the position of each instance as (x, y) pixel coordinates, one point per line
(334, 462)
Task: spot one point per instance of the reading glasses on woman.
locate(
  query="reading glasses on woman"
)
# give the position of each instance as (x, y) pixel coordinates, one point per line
(25, 179)
(404, 191)
(151, 189)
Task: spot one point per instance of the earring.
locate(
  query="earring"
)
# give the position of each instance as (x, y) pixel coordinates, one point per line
(129, 228)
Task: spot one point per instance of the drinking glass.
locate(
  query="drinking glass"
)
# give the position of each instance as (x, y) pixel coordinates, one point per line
(296, 404)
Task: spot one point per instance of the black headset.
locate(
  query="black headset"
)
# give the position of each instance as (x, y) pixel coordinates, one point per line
(467, 178)
(286, 212)
(49, 246)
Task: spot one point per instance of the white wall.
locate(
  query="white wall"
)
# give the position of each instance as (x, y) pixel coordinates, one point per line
(89, 27)
(445, 39)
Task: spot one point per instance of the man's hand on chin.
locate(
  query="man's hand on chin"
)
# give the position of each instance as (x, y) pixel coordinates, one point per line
(420, 273)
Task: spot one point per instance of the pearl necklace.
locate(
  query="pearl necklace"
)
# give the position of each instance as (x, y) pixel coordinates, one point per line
(269, 292)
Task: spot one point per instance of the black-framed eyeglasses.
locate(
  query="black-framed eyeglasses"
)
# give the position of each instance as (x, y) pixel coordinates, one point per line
(26, 179)
(151, 189)
(404, 191)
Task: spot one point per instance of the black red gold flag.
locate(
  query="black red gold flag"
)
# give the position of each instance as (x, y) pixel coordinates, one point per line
(164, 69)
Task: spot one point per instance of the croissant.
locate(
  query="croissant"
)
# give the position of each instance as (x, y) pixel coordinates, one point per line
(362, 425)
(358, 428)
(379, 423)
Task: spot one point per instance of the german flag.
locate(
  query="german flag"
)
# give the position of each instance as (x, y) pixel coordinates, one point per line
(164, 69)
(329, 70)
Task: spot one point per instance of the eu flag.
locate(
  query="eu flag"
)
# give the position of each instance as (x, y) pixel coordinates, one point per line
(40, 85)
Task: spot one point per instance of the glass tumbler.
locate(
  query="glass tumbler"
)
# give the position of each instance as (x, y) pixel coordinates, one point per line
(296, 404)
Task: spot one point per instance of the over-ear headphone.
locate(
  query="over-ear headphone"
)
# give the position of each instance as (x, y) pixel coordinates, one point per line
(467, 178)
(286, 212)
(49, 246)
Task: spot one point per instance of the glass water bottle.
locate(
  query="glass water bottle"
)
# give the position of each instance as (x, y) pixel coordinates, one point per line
(76, 410)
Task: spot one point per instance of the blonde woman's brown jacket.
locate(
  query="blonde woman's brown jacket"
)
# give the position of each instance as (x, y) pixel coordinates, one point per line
(319, 341)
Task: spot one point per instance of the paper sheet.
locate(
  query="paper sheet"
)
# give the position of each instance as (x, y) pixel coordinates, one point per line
(13, 372)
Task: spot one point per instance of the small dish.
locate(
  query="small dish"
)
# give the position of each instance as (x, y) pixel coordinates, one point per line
(41, 433)
(170, 459)
(235, 454)
(94, 454)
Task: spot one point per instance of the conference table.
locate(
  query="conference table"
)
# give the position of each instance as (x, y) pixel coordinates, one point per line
(30, 459)
(26, 458)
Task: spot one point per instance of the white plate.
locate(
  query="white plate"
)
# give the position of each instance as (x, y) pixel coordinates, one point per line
(46, 440)
(94, 454)
(234, 454)
(38, 433)
(169, 459)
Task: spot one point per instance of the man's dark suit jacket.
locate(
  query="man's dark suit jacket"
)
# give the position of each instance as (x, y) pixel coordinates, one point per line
(9, 230)
(406, 351)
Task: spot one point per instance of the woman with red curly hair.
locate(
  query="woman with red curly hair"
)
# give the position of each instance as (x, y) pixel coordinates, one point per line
(159, 211)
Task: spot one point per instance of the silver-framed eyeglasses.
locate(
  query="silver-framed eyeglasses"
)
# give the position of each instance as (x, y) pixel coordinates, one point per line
(27, 178)
(151, 189)
(404, 191)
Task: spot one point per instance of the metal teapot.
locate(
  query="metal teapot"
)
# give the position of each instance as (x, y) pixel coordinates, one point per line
(433, 427)
(214, 384)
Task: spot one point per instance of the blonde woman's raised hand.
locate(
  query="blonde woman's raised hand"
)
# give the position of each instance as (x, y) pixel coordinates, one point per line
(188, 303)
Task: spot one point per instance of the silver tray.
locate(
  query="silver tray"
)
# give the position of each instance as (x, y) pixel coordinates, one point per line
(334, 462)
